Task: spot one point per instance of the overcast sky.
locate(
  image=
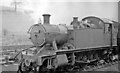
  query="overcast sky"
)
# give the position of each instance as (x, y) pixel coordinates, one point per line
(62, 11)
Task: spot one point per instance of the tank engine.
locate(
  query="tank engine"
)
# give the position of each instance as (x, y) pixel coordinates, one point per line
(60, 47)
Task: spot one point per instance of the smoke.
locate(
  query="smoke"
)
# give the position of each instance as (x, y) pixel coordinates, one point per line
(38, 7)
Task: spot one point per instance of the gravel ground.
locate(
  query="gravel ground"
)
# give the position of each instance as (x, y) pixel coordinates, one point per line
(10, 67)
(110, 68)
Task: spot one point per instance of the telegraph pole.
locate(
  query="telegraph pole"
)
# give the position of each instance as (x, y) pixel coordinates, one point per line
(16, 3)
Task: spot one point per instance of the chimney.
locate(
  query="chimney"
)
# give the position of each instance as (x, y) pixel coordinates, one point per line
(46, 18)
(75, 19)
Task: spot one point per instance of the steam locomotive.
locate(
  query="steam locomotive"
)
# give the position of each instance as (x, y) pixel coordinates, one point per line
(63, 47)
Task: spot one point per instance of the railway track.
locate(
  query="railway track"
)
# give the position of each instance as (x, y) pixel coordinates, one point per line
(96, 67)
(90, 67)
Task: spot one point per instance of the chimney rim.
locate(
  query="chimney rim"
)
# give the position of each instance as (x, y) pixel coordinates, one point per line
(46, 15)
(75, 17)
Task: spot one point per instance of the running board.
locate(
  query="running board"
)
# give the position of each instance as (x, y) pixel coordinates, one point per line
(79, 50)
(89, 61)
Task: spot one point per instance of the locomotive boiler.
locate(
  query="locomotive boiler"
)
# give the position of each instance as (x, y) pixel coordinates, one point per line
(63, 47)
(47, 33)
